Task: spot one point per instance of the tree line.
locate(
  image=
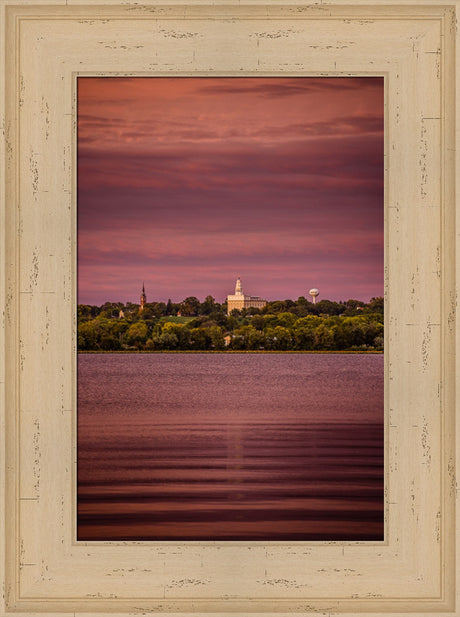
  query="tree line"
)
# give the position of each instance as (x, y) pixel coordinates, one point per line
(284, 325)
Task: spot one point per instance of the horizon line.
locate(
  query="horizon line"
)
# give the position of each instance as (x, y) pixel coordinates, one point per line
(224, 301)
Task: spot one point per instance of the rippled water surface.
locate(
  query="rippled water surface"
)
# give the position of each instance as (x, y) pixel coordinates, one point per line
(230, 447)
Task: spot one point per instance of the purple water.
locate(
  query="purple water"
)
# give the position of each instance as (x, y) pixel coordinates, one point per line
(230, 447)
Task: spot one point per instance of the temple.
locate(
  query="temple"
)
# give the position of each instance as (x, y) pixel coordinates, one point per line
(239, 300)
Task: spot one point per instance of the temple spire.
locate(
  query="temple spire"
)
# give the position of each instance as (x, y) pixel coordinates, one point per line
(238, 287)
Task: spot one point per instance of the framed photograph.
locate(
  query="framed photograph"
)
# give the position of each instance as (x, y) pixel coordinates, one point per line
(84, 86)
(206, 412)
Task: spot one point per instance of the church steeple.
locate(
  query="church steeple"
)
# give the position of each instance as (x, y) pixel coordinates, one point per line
(143, 298)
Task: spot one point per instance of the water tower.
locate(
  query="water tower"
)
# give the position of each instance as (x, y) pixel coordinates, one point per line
(313, 293)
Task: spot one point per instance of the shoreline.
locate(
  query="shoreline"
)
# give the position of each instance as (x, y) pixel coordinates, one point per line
(233, 351)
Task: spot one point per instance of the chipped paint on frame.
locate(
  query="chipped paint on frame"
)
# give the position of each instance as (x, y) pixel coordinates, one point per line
(47, 571)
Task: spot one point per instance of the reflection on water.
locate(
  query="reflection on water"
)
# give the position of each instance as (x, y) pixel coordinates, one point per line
(230, 446)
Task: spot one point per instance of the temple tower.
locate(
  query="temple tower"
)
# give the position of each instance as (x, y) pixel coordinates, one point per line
(239, 300)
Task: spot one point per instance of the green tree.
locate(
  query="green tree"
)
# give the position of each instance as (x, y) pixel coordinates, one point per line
(217, 337)
(159, 309)
(208, 305)
(277, 307)
(283, 338)
(108, 342)
(200, 338)
(255, 339)
(168, 340)
(147, 313)
(309, 321)
(286, 319)
(280, 325)
(324, 337)
(149, 344)
(137, 334)
(243, 336)
(219, 317)
(83, 312)
(270, 321)
(375, 305)
(329, 308)
(304, 337)
(278, 338)
(180, 331)
(343, 336)
(190, 306)
(258, 322)
(87, 336)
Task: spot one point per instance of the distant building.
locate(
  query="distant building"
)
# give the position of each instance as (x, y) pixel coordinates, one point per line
(143, 299)
(239, 300)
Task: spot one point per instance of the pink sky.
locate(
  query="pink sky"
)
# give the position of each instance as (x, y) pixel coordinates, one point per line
(185, 183)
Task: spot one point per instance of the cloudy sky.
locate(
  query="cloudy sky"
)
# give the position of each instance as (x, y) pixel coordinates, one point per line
(187, 183)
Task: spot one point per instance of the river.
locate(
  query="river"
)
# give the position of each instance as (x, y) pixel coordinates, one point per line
(226, 446)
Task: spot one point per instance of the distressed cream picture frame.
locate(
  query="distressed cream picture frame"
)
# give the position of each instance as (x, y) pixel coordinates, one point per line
(46, 46)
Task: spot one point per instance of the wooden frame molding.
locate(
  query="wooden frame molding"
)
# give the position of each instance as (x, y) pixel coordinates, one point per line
(413, 46)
